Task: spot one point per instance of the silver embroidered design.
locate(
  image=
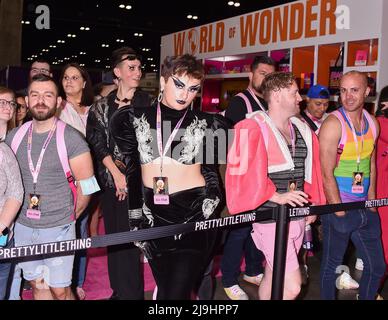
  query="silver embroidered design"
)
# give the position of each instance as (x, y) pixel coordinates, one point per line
(208, 206)
(194, 135)
(134, 214)
(147, 212)
(144, 138)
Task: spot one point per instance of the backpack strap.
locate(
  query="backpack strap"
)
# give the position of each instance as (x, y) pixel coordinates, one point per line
(371, 124)
(19, 135)
(341, 143)
(63, 157)
(247, 102)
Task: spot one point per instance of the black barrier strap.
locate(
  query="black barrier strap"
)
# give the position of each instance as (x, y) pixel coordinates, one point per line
(166, 231)
(132, 236)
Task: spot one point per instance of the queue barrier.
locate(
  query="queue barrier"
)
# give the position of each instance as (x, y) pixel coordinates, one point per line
(280, 215)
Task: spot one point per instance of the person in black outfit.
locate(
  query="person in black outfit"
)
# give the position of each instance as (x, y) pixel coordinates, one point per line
(123, 260)
(239, 239)
(183, 153)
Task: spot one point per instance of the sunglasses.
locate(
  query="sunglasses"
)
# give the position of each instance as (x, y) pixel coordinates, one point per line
(130, 57)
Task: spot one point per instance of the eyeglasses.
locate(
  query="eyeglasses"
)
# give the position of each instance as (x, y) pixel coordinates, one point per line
(73, 78)
(40, 71)
(5, 103)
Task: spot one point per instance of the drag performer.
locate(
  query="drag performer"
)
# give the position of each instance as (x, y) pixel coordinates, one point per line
(172, 174)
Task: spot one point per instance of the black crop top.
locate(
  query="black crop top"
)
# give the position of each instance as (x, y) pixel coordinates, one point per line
(199, 140)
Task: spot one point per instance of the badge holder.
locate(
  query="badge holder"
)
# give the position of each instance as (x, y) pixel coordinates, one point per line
(291, 185)
(161, 196)
(358, 182)
(33, 211)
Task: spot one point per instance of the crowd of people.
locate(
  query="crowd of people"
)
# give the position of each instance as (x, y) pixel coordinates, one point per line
(147, 163)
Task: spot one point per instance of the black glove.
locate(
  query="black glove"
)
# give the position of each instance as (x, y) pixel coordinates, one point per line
(141, 219)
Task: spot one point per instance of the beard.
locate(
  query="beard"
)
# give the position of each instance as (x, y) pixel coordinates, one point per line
(257, 88)
(43, 115)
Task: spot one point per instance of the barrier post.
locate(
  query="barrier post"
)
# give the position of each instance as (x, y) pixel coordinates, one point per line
(280, 253)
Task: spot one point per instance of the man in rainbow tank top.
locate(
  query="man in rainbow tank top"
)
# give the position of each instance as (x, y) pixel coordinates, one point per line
(347, 153)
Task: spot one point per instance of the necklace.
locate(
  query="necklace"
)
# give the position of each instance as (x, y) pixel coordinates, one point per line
(125, 100)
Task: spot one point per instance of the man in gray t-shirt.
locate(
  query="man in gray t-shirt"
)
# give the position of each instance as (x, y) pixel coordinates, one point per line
(48, 213)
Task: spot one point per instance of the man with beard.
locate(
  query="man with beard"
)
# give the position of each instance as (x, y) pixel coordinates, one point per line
(50, 207)
(239, 239)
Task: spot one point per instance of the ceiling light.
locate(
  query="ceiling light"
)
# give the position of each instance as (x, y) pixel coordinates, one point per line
(98, 61)
(230, 3)
(122, 6)
(150, 59)
(237, 4)
(128, 7)
(82, 28)
(82, 65)
(195, 17)
(87, 29)
(189, 16)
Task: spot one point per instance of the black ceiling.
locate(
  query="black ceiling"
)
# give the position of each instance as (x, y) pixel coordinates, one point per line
(108, 22)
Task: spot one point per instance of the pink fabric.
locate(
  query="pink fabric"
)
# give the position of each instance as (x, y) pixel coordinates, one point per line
(382, 178)
(246, 181)
(263, 236)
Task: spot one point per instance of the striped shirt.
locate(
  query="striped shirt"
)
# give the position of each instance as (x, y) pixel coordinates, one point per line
(347, 164)
(281, 179)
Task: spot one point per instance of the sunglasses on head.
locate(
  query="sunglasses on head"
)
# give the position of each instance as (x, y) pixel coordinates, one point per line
(131, 57)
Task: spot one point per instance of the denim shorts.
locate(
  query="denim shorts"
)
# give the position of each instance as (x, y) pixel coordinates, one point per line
(56, 271)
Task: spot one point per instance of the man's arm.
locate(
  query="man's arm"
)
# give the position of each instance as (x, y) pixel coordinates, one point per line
(329, 136)
(82, 168)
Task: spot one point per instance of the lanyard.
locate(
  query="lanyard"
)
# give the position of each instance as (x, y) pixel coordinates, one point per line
(358, 151)
(170, 139)
(35, 171)
(256, 99)
(293, 139)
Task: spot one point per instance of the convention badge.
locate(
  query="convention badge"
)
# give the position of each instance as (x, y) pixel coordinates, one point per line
(33, 211)
(161, 196)
(34, 201)
(358, 182)
(291, 185)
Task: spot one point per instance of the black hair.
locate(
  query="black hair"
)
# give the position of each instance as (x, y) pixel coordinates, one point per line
(87, 97)
(118, 54)
(382, 98)
(264, 60)
(43, 78)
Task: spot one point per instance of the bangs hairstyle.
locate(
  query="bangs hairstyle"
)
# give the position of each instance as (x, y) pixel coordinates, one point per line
(185, 64)
(275, 82)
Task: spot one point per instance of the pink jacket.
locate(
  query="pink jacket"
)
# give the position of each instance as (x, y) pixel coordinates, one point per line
(257, 150)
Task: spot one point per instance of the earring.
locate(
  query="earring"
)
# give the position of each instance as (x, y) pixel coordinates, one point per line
(160, 96)
(84, 85)
(192, 105)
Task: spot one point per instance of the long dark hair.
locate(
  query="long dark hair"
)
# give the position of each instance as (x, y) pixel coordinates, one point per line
(382, 98)
(87, 98)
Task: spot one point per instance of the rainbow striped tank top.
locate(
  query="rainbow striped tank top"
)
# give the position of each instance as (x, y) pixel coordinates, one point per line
(347, 164)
